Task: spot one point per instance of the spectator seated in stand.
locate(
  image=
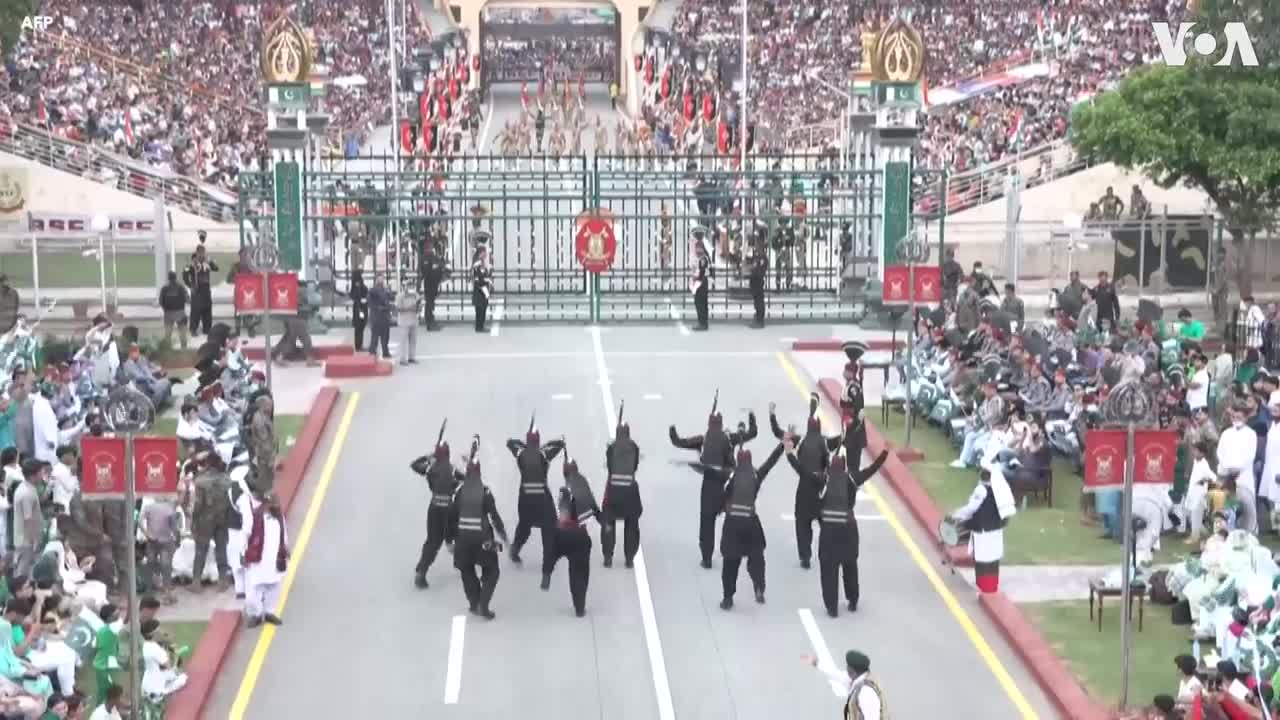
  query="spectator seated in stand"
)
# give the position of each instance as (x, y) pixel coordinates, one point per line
(148, 377)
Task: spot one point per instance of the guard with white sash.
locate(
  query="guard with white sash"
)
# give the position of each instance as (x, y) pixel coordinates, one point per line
(812, 454)
(989, 508)
(715, 461)
(742, 534)
(864, 700)
(621, 496)
(443, 481)
(577, 506)
(535, 508)
(838, 539)
(474, 522)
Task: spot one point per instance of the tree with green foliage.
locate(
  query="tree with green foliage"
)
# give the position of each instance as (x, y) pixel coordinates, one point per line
(12, 13)
(1215, 129)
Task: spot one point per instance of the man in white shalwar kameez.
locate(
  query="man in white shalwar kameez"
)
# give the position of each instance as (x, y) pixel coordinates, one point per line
(1237, 448)
(238, 538)
(1268, 487)
(266, 560)
(44, 427)
(985, 514)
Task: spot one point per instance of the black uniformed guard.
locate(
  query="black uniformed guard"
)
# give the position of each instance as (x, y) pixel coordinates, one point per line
(443, 481)
(535, 508)
(700, 284)
(540, 125)
(474, 523)
(838, 537)
(742, 534)
(434, 271)
(577, 506)
(481, 286)
(759, 268)
(813, 451)
(621, 497)
(715, 459)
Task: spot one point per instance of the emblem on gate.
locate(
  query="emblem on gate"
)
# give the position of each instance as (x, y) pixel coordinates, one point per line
(249, 297)
(896, 289)
(287, 53)
(1105, 474)
(899, 54)
(155, 475)
(282, 296)
(103, 477)
(594, 242)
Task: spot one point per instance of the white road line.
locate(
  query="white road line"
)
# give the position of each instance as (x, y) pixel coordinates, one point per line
(453, 678)
(652, 396)
(618, 353)
(661, 685)
(791, 518)
(675, 315)
(562, 396)
(496, 327)
(820, 650)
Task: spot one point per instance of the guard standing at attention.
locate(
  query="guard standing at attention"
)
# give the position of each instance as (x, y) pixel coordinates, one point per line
(759, 268)
(700, 284)
(535, 507)
(621, 496)
(577, 506)
(434, 272)
(481, 285)
(742, 534)
(443, 481)
(473, 524)
(813, 452)
(838, 537)
(715, 461)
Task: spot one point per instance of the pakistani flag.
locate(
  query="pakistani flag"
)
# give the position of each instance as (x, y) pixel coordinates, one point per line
(83, 634)
(1015, 132)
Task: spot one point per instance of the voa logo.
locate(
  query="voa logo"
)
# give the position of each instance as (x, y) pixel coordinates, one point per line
(1172, 48)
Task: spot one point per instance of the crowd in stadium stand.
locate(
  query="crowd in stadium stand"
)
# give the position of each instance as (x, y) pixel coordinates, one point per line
(509, 59)
(1092, 43)
(186, 72)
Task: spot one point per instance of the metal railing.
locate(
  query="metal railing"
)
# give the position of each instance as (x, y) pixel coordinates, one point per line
(119, 173)
(1037, 166)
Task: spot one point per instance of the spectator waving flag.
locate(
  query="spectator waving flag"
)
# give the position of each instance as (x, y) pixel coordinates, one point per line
(128, 127)
(1015, 131)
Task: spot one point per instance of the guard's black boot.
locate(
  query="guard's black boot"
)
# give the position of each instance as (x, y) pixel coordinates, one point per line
(608, 561)
(760, 595)
(546, 581)
(833, 612)
(487, 614)
(853, 606)
(420, 581)
(515, 556)
(475, 609)
(804, 563)
(580, 612)
(706, 563)
(726, 604)
(631, 562)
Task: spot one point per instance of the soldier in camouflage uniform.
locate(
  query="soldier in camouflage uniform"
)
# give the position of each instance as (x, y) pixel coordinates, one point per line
(262, 444)
(209, 517)
(85, 530)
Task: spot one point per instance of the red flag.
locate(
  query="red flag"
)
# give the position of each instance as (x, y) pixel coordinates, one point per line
(128, 127)
(648, 71)
(424, 106)
(708, 107)
(443, 105)
(454, 88)
(42, 113)
(722, 137)
(688, 107)
(406, 136)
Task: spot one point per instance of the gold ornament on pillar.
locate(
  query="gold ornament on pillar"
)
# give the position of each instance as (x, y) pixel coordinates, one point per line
(288, 52)
(869, 40)
(899, 54)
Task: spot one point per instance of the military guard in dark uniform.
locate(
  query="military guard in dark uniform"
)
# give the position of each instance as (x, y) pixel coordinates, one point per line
(474, 524)
(443, 481)
(700, 283)
(577, 506)
(852, 401)
(813, 452)
(535, 508)
(434, 272)
(742, 535)
(759, 268)
(621, 496)
(715, 461)
(481, 286)
(838, 535)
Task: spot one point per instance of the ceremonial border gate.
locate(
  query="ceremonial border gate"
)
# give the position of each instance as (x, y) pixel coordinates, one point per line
(359, 212)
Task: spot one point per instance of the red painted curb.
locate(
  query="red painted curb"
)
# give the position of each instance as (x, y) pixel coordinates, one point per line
(322, 352)
(289, 479)
(1055, 678)
(899, 477)
(833, 345)
(202, 669)
(224, 625)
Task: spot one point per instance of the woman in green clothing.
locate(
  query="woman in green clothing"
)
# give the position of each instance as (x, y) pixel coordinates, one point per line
(12, 666)
(106, 655)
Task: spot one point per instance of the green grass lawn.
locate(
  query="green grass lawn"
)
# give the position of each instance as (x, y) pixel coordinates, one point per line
(287, 429)
(1094, 657)
(1038, 535)
(182, 633)
(71, 269)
